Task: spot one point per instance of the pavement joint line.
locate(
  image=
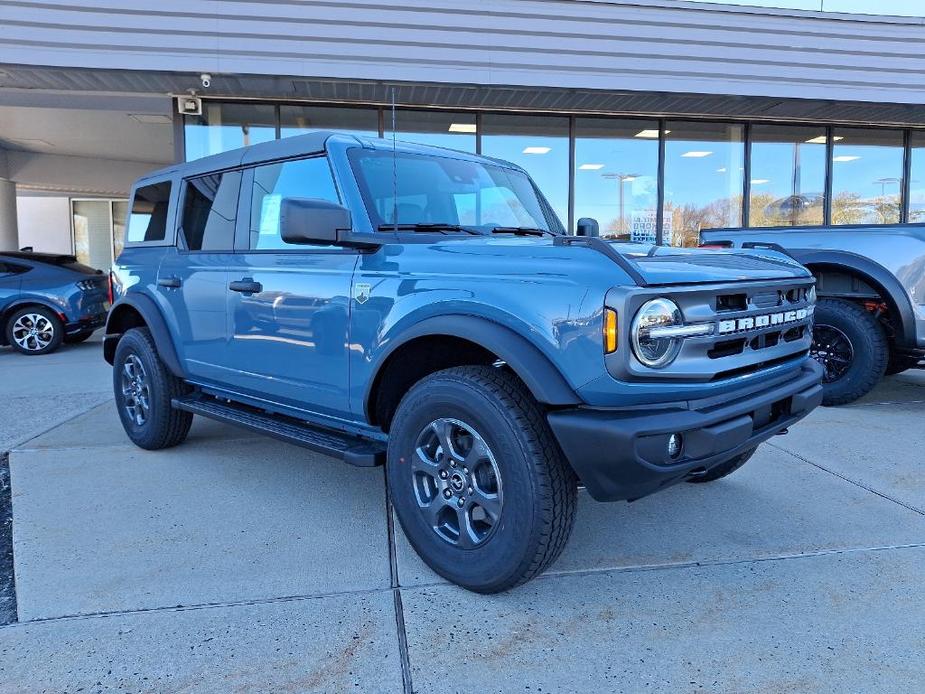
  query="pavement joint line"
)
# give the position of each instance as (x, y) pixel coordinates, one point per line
(128, 445)
(707, 563)
(401, 632)
(856, 483)
(15, 445)
(886, 402)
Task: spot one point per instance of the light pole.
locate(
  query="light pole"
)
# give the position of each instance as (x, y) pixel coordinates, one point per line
(623, 178)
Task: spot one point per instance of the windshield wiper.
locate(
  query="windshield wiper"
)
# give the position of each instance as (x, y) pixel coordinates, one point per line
(427, 226)
(521, 231)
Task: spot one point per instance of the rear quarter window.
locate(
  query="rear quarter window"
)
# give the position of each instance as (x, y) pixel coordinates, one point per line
(147, 219)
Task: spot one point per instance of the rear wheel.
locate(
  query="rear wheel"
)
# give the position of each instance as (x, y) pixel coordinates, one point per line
(144, 389)
(479, 485)
(852, 348)
(34, 330)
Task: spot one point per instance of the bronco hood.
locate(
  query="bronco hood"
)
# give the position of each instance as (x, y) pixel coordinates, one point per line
(662, 265)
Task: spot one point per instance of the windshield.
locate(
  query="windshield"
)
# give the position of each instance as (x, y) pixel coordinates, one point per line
(434, 190)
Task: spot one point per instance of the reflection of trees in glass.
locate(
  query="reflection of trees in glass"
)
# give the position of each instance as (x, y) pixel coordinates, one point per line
(687, 220)
(851, 208)
(766, 210)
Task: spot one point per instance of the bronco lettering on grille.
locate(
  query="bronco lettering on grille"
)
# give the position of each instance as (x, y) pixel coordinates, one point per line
(764, 321)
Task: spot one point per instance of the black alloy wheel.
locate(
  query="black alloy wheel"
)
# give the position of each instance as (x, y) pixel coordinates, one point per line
(833, 349)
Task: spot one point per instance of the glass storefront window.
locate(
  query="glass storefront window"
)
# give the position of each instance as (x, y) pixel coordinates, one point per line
(99, 230)
(225, 126)
(616, 176)
(917, 178)
(540, 144)
(438, 128)
(787, 175)
(298, 120)
(704, 174)
(867, 176)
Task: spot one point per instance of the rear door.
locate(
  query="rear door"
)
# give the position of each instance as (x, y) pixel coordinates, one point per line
(193, 275)
(288, 305)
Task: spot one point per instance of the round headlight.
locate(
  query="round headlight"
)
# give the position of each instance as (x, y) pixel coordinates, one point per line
(651, 350)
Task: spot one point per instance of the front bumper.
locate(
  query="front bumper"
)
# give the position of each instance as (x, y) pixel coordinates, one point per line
(623, 454)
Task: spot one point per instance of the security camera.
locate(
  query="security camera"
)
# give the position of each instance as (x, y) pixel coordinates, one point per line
(206, 80)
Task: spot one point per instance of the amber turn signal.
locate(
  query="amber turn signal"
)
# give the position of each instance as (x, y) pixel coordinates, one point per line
(610, 330)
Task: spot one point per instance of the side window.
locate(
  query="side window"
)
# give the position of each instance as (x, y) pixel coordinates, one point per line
(147, 220)
(302, 178)
(209, 210)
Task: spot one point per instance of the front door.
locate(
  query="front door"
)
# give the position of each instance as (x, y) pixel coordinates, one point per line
(288, 305)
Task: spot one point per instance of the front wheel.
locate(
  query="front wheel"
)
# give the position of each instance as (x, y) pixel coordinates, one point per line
(143, 389)
(477, 480)
(852, 348)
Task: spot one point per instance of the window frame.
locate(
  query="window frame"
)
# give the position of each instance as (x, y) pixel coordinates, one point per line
(170, 225)
(181, 209)
(245, 198)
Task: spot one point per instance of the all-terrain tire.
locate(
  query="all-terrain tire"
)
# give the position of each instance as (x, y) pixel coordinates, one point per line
(45, 341)
(869, 347)
(538, 489)
(163, 426)
(724, 469)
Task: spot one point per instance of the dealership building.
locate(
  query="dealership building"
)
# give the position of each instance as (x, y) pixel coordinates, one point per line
(656, 117)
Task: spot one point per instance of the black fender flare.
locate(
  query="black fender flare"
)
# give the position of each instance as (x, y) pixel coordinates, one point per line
(542, 378)
(853, 263)
(154, 320)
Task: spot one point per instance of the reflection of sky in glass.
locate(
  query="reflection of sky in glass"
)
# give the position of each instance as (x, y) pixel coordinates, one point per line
(909, 8)
(433, 128)
(867, 169)
(609, 154)
(506, 137)
(704, 170)
(222, 127)
(787, 176)
(298, 120)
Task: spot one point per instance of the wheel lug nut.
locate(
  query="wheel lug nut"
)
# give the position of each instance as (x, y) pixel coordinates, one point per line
(447, 493)
(461, 502)
(452, 463)
(466, 470)
(470, 490)
(444, 474)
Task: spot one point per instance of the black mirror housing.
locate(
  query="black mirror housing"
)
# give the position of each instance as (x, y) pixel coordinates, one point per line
(587, 226)
(312, 220)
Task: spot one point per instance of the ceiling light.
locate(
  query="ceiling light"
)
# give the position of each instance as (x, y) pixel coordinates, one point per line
(696, 154)
(846, 157)
(821, 140)
(759, 181)
(651, 134)
(462, 127)
(151, 118)
(591, 167)
(536, 150)
(721, 169)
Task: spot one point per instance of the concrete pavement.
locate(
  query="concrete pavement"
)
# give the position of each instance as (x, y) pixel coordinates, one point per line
(235, 563)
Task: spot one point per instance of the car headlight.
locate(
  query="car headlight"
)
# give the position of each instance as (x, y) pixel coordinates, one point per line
(653, 345)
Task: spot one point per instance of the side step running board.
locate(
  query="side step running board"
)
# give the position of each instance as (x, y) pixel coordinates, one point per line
(350, 449)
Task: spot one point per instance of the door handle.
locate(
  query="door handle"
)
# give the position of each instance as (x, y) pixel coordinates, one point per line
(169, 282)
(245, 286)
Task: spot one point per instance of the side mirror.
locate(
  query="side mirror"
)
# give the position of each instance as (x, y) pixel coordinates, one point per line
(310, 220)
(587, 226)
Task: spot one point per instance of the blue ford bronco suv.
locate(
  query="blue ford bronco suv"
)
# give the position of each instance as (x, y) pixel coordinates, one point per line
(422, 308)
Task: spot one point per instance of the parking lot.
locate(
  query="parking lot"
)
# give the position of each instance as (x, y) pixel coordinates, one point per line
(238, 563)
